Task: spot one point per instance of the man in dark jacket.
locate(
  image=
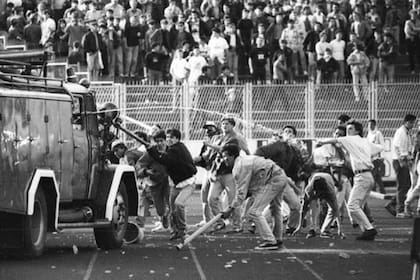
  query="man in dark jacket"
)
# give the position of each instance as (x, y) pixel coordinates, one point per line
(181, 169)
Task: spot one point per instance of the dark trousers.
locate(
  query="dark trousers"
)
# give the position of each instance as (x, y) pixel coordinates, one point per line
(413, 52)
(403, 185)
(377, 172)
(160, 195)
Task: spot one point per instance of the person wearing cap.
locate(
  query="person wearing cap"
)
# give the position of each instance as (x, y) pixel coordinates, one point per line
(221, 177)
(205, 159)
(117, 153)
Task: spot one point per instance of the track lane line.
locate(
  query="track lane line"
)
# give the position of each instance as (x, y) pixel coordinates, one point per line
(90, 266)
(197, 263)
(305, 266)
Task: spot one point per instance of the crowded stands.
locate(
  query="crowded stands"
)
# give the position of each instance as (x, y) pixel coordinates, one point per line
(278, 40)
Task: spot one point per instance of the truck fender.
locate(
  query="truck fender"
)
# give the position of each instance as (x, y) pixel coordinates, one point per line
(45, 178)
(125, 174)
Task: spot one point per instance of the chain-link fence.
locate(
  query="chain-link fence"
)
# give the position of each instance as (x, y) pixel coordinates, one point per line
(261, 109)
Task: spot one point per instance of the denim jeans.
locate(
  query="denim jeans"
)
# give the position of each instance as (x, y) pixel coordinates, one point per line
(178, 200)
(269, 194)
(403, 184)
(223, 182)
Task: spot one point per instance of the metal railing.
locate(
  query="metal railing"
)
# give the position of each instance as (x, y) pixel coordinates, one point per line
(261, 109)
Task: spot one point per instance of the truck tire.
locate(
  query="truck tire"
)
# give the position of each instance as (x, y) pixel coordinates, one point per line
(112, 237)
(35, 227)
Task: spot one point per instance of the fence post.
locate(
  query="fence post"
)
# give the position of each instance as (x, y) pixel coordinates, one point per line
(185, 109)
(310, 110)
(247, 110)
(373, 100)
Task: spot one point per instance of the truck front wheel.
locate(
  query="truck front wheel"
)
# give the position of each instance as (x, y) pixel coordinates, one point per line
(35, 227)
(111, 237)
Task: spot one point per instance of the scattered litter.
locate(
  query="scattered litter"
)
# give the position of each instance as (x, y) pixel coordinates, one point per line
(244, 261)
(291, 258)
(267, 262)
(185, 258)
(53, 267)
(75, 249)
(107, 271)
(219, 255)
(152, 272)
(344, 255)
(331, 244)
(171, 268)
(277, 260)
(106, 252)
(167, 275)
(308, 262)
(353, 272)
(130, 275)
(118, 268)
(122, 252)
(145, 257)
(150, 245)
(228, 265)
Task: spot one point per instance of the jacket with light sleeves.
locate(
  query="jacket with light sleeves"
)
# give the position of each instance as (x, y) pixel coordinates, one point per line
(251, 174)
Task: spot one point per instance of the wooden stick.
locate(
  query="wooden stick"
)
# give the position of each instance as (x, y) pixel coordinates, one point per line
(199, 231)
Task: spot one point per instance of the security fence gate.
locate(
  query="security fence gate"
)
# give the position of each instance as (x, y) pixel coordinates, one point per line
(260, 110)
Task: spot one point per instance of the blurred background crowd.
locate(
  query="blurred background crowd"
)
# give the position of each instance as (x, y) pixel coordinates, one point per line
(221, 40)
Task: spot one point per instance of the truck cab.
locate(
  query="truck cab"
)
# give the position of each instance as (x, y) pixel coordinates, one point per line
(54, 173)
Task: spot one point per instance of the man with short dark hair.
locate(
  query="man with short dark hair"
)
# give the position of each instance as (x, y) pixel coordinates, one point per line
(264, 182)
(360, 151)
(181, 169)
(402, 159)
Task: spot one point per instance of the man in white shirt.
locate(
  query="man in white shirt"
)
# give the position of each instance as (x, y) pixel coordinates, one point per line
(402, 147)
(48, 27)
(375, 136)
(360, 151)
(195, 63)
(218, 47)
(338, 45)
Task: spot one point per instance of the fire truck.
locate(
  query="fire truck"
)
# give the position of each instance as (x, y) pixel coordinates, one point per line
(54, 174)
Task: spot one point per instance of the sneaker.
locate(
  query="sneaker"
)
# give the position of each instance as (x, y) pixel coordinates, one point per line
(368, 235)
(326, 234)
(267, 246)
(403, 215)
(158, 227)
(391, 209)
(311, 234)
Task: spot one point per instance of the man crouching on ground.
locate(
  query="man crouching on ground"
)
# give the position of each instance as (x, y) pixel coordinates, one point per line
(265, 182)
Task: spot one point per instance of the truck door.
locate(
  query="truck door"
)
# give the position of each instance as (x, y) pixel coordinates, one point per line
(8, 156)
(66, 147)
(60, 144)
(81, 166)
